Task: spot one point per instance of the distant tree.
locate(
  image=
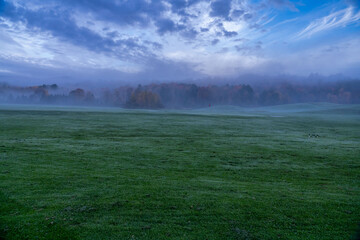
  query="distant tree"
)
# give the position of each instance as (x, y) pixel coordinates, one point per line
(107, 97)
(121, 95)
(11, 98)
(40, 95)
(41, 92)
(272, 97)
(77, 93)
(204, 95)
(89, 97)
(53, 86)
(242, 95)
(77, 96)
(4, 85)
(144, 99)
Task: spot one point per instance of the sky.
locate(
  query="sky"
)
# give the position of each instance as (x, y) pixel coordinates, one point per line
(71, 41)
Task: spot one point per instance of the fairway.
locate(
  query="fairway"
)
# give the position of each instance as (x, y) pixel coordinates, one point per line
(215, 173)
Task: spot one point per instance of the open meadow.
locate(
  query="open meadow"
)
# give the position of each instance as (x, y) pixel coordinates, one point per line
(282, 172)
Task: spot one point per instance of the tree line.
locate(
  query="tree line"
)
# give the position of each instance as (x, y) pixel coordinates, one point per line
(183, 95)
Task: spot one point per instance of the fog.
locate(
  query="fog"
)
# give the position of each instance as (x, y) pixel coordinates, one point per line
(186, 95)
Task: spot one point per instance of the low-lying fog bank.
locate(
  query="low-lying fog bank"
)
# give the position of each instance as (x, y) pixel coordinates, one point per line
(183, 95)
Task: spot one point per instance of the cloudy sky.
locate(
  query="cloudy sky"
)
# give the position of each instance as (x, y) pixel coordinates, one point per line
(158, 40)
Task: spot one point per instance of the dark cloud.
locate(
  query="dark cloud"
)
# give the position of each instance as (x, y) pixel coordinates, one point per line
(61, 25)
(240, 40)
(255, 26)
(168, 26)
(220, 8)
(165, 25)
(283, 4)
(237, 13)
(134, 12)
(247, 16)
(249, 49)
(178, 6)
(224, 31)
(189, 33)
(215, 41)
(154, 45)
(125, 13)
(229, 33)
(57, 18)
(112, 34)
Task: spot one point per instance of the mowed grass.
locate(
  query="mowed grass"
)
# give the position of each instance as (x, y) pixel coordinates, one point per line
(92, 174)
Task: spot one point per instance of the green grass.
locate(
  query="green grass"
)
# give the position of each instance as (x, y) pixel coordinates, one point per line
(219, 173)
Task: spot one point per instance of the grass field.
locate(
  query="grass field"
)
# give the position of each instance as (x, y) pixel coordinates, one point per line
(217, 173)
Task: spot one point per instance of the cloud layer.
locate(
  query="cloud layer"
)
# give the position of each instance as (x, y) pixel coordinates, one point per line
(179, 39)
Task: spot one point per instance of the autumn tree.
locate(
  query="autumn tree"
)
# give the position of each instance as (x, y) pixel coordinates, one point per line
(144, 99)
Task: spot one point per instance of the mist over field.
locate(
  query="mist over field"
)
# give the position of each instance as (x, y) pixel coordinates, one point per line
(185, 95)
